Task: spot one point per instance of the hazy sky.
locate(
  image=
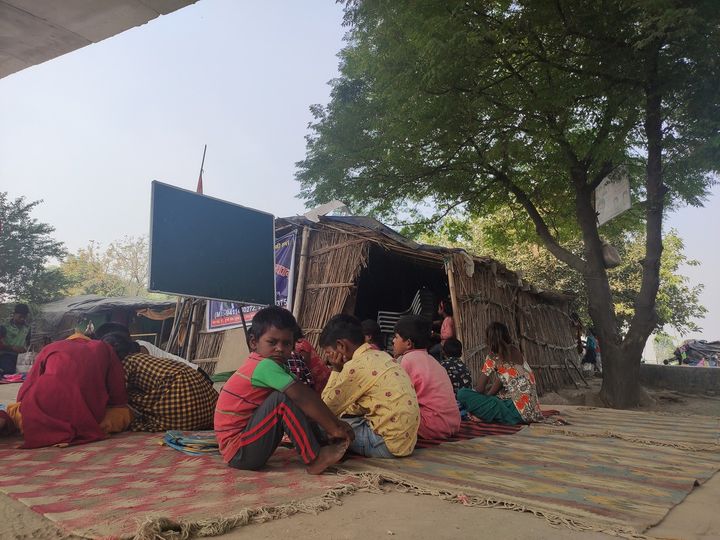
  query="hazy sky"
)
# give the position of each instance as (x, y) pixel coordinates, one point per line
(88, 131)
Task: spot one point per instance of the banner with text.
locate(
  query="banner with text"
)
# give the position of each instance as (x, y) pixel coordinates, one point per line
(226, 315)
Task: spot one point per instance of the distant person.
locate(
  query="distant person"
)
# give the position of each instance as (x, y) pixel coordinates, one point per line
(262, 401)
(447, 327)
(439, 414)
(511, 398)
(370, 391)
(74, 394)
(16, 340)
(592, 352)
(457, 370)
(373, 334)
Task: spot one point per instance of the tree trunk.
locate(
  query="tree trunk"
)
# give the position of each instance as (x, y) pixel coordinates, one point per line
(645, 317)
(621, 382)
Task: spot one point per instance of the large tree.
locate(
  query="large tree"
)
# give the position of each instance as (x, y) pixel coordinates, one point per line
(26, 249)
(531, 104)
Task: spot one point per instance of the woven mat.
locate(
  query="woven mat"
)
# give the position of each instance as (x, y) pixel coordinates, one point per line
(605, 472)
(690, 433)
(588, 482)
(471, 430)
(108, 488)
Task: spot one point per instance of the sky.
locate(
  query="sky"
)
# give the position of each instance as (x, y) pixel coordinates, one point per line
(87, 132)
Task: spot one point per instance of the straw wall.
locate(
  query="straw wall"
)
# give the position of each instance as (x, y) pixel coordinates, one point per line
(482, 298)
(537, 323)
(547, 340)
(335, 260)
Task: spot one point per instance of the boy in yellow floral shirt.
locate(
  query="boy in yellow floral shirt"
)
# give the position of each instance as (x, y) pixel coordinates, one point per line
(372, 392)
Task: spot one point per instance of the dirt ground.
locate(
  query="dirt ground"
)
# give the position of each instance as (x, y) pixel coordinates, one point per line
(423, 517)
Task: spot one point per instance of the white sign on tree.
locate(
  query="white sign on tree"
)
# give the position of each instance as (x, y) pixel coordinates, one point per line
(612, 196)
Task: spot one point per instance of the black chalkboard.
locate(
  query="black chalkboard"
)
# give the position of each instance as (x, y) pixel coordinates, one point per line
(208, 248)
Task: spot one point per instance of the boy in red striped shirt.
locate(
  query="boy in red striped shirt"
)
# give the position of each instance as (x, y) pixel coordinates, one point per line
(262, 401)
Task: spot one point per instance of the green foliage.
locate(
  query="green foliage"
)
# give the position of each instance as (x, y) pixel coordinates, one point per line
(119, 270)
(26, 248)
(438, 102)
(664, 346)
(129, 259)
(678, 302)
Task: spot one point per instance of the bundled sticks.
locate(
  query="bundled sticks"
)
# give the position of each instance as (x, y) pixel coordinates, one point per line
(335, 259)
(539, 324)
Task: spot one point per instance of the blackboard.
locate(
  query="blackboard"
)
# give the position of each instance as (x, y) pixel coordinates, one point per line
(204, 247)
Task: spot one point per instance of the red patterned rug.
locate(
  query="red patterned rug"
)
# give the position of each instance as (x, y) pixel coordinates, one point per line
(107, 489)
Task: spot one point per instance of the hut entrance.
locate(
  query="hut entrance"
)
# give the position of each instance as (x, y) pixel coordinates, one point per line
(391, 280)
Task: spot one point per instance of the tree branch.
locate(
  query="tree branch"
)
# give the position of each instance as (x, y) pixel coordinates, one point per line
(562, 254)
(606, 168)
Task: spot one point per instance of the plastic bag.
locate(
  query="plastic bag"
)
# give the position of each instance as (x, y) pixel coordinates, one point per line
(611, 257)
(25, 361)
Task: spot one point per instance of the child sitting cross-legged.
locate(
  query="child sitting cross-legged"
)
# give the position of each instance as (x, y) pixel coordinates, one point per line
(371, 392)
(457, 370)
(439, 413)
(506, 391)
(262, 401)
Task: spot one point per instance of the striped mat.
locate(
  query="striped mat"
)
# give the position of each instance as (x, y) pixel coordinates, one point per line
(611, 471)
(471, 430)
(690, 433)
(588, 482)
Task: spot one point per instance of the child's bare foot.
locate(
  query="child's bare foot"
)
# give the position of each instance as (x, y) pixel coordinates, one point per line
(328, 455)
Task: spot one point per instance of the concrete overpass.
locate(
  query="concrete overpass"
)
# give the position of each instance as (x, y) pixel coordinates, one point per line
(34, 31)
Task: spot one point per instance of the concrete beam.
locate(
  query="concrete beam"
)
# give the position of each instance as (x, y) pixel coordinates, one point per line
(34, 31)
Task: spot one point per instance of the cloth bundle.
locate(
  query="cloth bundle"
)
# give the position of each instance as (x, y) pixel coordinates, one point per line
(195, 443)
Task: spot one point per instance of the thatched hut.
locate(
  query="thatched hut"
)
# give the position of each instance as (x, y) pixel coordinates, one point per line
(358, 265)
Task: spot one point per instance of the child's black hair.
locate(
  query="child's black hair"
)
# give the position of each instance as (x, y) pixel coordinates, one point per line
(271, 316)
(111, 327)
(120, 343)
(416, 329)
(372, 328)
(342, 327)
(447, 306)
(299, 334)
(452, 348)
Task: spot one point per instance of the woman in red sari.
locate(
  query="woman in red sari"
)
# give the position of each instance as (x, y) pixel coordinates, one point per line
(66, 395)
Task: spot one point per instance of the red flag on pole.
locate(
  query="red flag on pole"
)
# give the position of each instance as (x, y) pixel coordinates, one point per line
(200, 184)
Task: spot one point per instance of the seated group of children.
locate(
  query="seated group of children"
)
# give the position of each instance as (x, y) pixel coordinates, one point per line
(371, 404)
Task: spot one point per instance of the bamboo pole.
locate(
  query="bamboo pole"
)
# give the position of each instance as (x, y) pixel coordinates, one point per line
(300, 291)
(457, 315)
(192, 329)
(176, 323)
